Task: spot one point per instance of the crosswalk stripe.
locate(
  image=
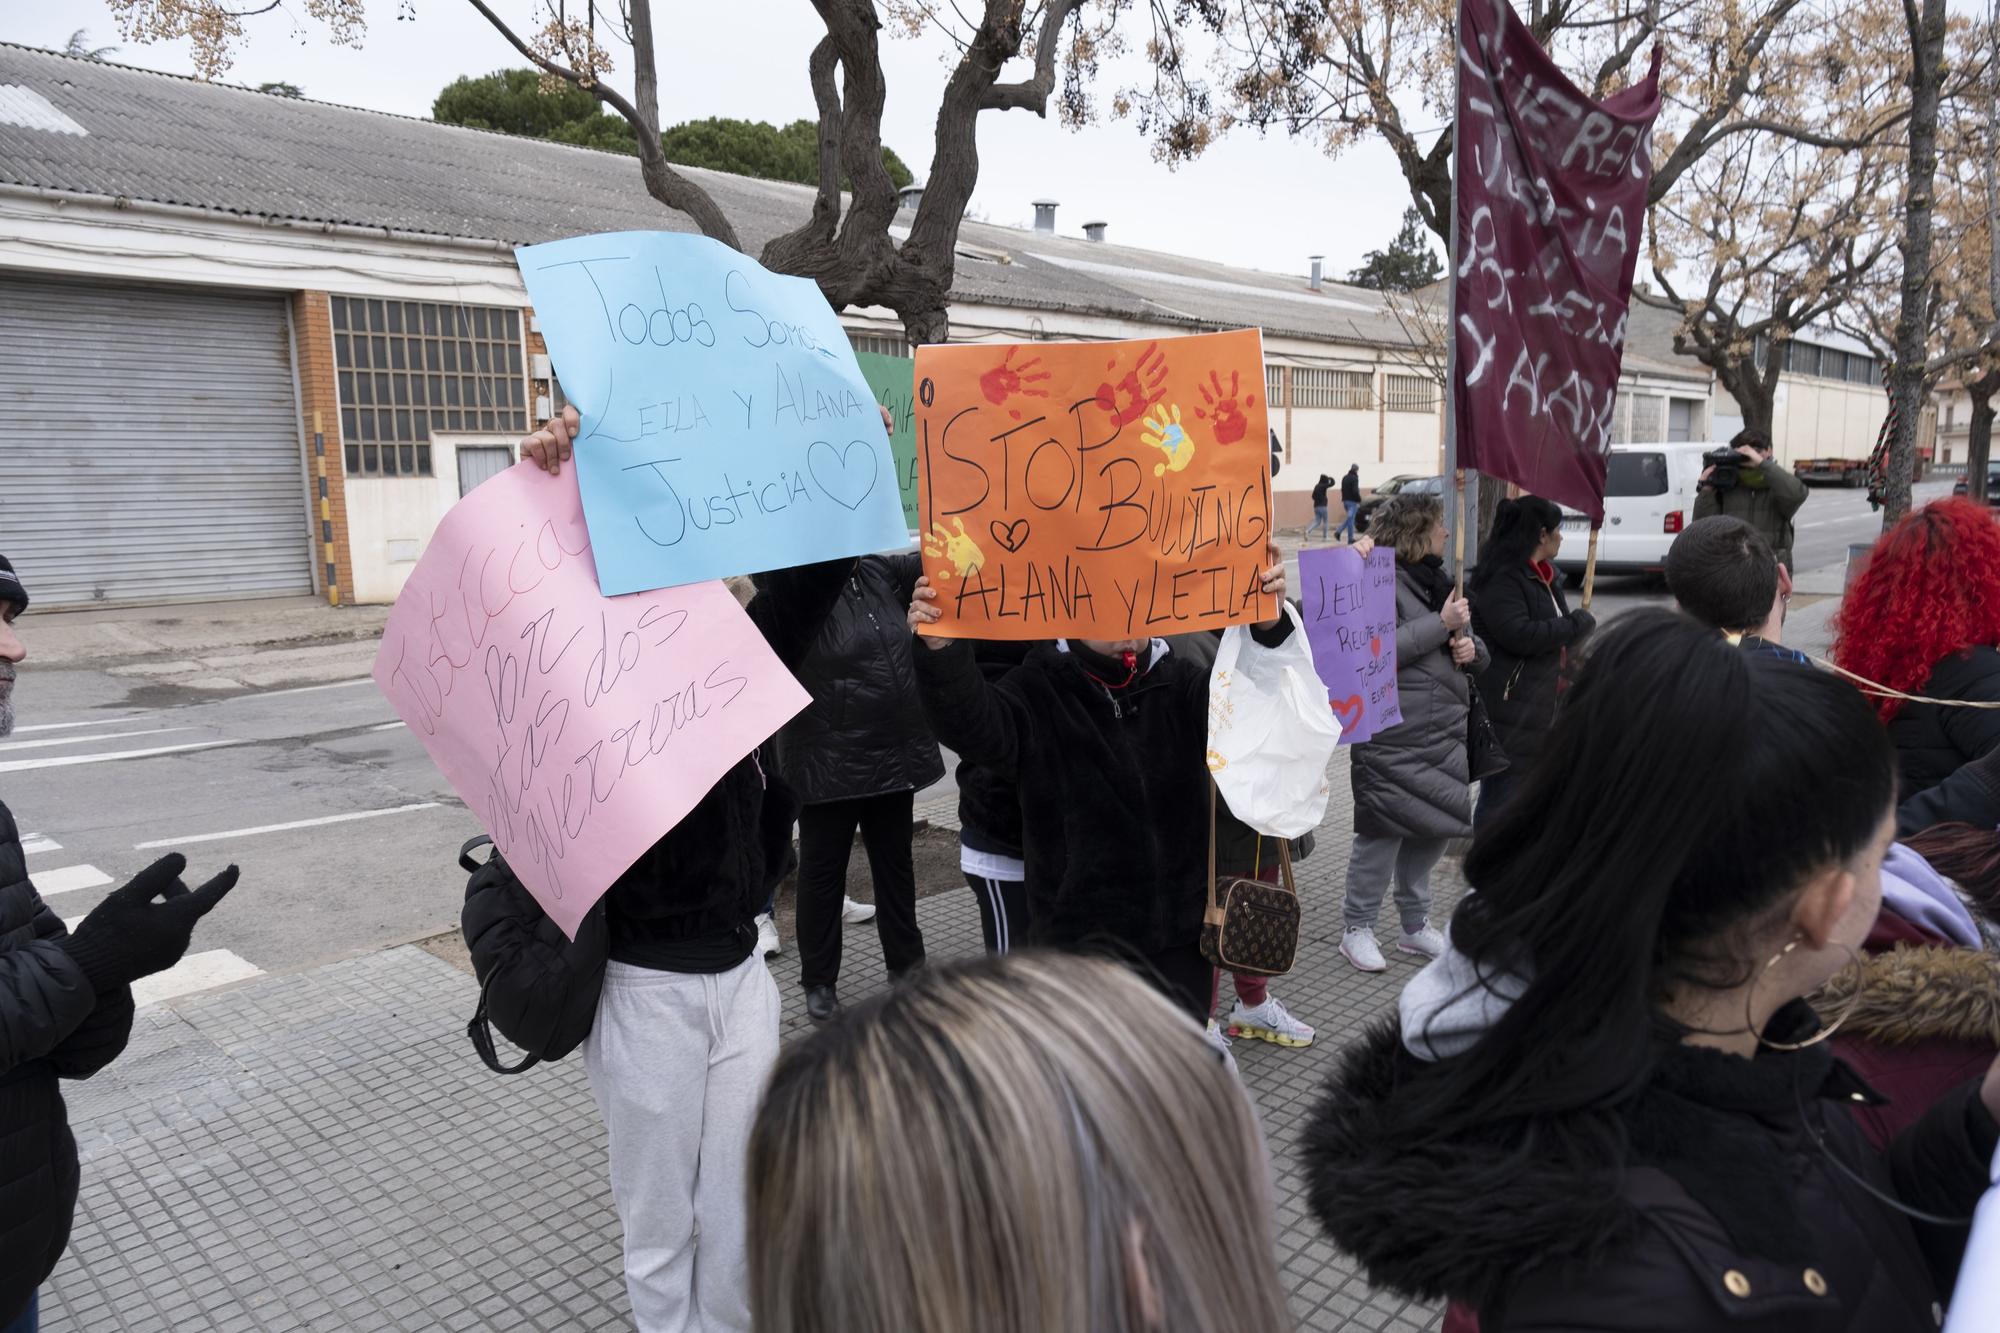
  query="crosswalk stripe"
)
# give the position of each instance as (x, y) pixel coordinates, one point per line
(38, 842)
(67, 760)
(196, 972)
(186, 840)
(70, 726)
(66, 879)
(46, 741)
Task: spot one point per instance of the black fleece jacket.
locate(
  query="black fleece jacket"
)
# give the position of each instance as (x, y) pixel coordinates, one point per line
(1113, 785)
(690, 902)
(53, 1025)
(1707, 1201)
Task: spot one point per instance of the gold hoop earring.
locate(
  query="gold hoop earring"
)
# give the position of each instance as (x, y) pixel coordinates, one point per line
(1750, 997)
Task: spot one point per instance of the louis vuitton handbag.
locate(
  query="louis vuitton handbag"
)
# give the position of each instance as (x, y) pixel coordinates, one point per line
(1250, 927)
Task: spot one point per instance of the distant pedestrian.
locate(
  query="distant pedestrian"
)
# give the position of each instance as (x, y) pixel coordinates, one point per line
(65, 1013)
(1106, 742)
(686, 1029)
(1321, 488)
(1412, 782)
(856, 756)
(1924, 619)
(1350, 497)
(970, 1154)
(1519, 611)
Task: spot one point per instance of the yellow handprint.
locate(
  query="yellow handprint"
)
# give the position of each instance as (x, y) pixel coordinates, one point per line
(959, 548)
(1166, 434)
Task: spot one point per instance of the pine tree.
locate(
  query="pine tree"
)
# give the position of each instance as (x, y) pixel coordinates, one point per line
(1408, 263)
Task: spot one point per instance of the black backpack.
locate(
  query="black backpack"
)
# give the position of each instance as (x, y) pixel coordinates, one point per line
(536, 985)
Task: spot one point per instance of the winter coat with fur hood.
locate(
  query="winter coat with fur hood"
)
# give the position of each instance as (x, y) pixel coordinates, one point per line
(1703, 1203)
(1924, 1019)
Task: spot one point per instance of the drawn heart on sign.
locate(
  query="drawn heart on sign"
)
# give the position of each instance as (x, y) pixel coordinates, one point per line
(1375, 646)
(1013, 535)
(1348, 710)
(839, 475)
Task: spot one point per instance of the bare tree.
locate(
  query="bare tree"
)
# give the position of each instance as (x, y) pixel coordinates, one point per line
(1350, 70)
(844, 244)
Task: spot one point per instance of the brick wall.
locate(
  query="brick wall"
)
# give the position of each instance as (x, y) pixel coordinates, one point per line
(326, 469)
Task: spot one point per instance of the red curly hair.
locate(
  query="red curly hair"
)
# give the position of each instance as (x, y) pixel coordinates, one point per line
(1931, 590)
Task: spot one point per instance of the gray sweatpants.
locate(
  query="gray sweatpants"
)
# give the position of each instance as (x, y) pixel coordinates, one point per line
(677, 1063)
(1374, 861)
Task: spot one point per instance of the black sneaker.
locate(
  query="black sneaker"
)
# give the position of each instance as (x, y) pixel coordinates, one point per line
(821, 1003)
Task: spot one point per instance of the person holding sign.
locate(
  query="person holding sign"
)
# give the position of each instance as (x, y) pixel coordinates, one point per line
(857, 756)
(687, 1026)
(1413, 781)
(1106, 741)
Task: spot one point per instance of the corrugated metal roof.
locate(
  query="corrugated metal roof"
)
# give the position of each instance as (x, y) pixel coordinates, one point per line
(170, 139)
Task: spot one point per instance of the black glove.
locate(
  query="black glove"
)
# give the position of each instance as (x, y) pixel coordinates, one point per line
(1584, 621)
(129, 935)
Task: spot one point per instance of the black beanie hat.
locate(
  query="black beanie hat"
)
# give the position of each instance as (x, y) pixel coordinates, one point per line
(10, 586)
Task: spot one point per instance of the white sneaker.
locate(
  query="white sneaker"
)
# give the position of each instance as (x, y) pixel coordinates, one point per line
(1358, 946)
(1426, 943)
(1269, 1021)
(1213, 1036)
(767, 936)
(853, 913)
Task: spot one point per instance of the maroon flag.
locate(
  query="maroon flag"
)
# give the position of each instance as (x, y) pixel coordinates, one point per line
(1551, 198)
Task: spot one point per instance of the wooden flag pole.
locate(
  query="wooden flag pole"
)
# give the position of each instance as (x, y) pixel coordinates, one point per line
(1590, 570)
(1458, 532)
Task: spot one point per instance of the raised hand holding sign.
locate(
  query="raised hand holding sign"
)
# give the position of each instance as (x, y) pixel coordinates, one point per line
(1097, 490)
(725, 427)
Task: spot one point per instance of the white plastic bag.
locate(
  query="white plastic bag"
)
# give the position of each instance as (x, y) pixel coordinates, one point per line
(1271, 731)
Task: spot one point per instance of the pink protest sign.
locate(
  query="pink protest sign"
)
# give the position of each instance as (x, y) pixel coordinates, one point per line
(1350, 615)
(579, 728)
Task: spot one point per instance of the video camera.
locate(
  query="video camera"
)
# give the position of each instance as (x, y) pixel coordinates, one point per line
(1727, 467)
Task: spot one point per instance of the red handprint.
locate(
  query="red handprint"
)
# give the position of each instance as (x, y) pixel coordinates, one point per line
(1229, 423)
(1139, 388)
(1008, 379)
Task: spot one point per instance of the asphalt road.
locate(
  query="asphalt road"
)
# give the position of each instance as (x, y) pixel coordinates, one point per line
(346, 834)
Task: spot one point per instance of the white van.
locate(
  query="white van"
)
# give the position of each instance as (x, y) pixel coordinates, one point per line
(1648, 498)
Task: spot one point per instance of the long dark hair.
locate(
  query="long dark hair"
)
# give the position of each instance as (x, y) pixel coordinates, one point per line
(1518, 526)
(1968, 856)
(1686, 791)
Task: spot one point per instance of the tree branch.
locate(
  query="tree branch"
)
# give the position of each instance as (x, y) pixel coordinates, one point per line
(1032, 94)
(665, 184)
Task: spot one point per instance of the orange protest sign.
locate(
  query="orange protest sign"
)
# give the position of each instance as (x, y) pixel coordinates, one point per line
(1108, 490)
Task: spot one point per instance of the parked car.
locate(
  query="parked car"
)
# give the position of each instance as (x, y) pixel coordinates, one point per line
(1394, 486)
(1964, 487)
(1649, 492)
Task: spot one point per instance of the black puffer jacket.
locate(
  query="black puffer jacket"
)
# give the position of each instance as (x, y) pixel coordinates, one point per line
(864, 732)
(1526, 624)
(989, 808)
(706, 878)
(1113, 785)
(52, 1026)
(1933, 742)
(1720, 1214)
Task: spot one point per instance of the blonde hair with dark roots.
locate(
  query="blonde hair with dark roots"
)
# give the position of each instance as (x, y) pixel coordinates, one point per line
(1405, 521)
(970, 1153)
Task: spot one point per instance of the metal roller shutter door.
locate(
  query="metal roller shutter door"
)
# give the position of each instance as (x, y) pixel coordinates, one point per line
(154, 452)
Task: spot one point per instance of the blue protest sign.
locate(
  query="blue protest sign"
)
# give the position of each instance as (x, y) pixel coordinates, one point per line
(726, 427)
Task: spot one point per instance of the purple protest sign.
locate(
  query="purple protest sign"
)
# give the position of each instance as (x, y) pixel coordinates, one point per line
(1350, 615)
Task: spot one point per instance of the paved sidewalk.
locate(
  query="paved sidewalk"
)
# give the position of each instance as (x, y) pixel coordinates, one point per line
(323, 1150)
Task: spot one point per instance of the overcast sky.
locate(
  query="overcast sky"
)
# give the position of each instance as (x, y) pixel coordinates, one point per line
(1260, 203)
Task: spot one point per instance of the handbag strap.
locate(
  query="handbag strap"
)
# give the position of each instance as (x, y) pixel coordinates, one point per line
(1213, 916)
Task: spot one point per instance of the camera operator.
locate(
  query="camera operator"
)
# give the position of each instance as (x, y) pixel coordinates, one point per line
(1744, 481)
